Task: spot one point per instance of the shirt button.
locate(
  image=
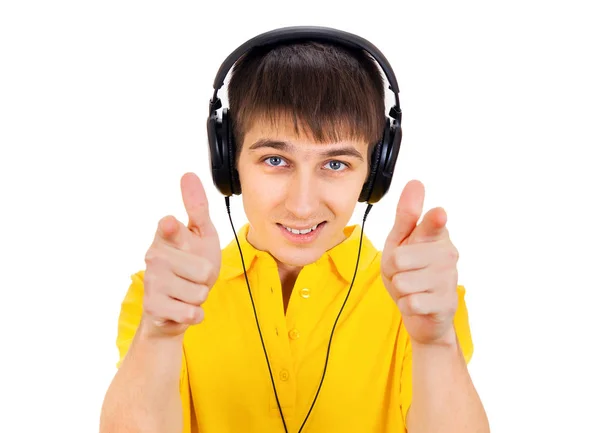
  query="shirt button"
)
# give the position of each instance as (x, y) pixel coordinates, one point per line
(284, 375)
(294, 334)
(305, 293)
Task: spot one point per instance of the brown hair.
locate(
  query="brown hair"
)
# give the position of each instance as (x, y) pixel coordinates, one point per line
(334, 92)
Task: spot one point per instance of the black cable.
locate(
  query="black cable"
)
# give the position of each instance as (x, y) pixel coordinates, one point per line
(338, 316)
(332, 330)
(256, 316)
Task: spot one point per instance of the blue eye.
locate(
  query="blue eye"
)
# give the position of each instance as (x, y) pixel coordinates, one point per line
(336, 165)
(274, 161)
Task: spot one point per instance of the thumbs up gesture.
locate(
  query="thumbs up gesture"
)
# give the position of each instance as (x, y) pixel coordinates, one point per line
(182, 265)
(418, 268)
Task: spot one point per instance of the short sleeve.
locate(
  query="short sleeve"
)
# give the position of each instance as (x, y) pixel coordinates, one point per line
(405, 374)
(462, 326)
(463, 332)
(130, 314)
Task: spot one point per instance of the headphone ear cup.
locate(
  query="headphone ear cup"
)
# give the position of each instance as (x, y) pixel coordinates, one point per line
(368, 186)
(383, 164)
(367, 190)
(217, 154)
(221, 149)
(229, 144)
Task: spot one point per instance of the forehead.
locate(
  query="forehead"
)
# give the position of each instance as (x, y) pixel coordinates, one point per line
(283, 128)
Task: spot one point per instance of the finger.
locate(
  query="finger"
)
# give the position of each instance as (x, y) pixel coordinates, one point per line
(185, 291)
(437, 302)
(190, 293)
(168, 231)
(195, 202)
(165, 308)
(196, 269)
(432, 227)
(166, 261)
(420, 304)
(408, 257)
(421, 280)
(408, 212)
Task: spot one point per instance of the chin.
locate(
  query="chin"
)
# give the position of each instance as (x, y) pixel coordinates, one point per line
(296, 257)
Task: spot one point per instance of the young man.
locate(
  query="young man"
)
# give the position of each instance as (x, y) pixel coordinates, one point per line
(213, 342)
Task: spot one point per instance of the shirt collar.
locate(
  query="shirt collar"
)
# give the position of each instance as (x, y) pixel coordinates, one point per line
(342, 256)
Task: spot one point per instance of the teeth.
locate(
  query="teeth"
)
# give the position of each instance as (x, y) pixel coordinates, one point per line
(301, 232)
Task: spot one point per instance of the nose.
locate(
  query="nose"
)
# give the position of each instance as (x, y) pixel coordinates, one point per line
(302, 195)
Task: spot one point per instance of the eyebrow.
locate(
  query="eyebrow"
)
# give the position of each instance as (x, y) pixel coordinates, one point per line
(284, 146)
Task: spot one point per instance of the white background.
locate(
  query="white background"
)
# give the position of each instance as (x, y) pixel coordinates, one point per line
(103, 107)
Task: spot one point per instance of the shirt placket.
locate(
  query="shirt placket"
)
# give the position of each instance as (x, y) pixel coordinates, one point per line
(273, 327)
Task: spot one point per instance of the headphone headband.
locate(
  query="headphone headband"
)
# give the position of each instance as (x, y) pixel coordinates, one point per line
(222, 146)
(314, 33)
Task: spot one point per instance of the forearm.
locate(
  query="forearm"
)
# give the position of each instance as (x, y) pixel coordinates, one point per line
(444, 398)
(144, 394)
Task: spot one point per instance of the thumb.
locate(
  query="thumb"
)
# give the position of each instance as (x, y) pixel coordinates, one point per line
(196, 204)
(408, 212)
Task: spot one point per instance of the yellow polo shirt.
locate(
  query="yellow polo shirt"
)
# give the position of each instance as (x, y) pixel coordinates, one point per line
(225, 384)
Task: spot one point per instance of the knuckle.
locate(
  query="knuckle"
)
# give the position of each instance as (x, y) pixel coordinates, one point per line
(452, 253)
(199, 315)
(154, 282)
(197, 294)
(414, 305)
(398, 258)
(150, 306)
(389, 262)
(155, 257)
(398, 283)
(150, 254)
(203, 270)
(455, 255)
(191, 315)
(202, 294)
(206, 271)
(184, 314)
(151, 282)
(149, 279)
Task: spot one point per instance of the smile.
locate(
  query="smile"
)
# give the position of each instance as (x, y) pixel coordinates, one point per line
(301, 231)
(301, 235)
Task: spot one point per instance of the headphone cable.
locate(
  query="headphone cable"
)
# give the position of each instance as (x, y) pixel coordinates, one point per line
(332, 330)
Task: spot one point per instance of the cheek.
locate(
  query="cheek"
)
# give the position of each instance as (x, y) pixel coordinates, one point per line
(342, 197)
(352, 184)
(341, 204)
(260, 193)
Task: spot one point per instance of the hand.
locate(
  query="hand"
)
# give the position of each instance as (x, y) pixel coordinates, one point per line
(419, 270)
(182, 265)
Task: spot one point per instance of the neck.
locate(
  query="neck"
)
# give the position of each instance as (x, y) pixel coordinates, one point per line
(288, 276)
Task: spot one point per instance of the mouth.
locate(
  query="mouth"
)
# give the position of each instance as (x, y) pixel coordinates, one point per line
(301, 234)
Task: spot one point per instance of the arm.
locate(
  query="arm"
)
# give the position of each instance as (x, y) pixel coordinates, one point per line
(144, 394)
(419, 270)
(444, 398)
(182, 265)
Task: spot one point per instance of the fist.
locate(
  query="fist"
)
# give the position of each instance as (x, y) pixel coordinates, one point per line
(182, 265)
(419, 269)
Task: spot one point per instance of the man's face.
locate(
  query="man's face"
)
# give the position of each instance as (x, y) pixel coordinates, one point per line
(290, 183)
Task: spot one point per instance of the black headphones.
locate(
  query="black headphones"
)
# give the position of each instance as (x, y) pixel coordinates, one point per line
(220, 134)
